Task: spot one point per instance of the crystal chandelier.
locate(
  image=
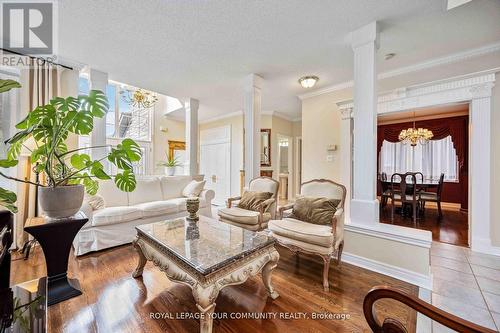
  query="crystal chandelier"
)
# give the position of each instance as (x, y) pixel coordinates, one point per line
(140, 99)
(414, 135)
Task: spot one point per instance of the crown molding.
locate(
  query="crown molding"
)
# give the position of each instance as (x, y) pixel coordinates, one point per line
(452, 58)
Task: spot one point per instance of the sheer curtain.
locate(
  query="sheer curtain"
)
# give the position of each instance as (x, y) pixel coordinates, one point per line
(432, 159)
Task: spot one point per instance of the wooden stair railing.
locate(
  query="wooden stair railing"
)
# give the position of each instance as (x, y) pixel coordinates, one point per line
(391, 325)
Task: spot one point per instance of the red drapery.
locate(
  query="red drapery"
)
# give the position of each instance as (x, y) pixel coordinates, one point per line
(457, 127)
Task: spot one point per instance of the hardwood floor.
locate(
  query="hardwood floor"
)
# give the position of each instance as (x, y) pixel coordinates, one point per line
(452, 229)
(113, 301)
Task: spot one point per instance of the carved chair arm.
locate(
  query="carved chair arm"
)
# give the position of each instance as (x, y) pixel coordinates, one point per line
(392, 325)
(283, 209)
(230, 201)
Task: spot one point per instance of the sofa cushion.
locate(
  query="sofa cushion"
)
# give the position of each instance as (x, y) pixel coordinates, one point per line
(181, 203)
(95, 201)
(242, 216)
(193, 189)
(146, 190)
(156, 208)
(113, 215)
(302, 231)
(111, 194)
(172, 186)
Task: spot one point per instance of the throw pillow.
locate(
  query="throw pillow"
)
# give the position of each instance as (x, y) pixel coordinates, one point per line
(315, 210)
(193, 189)
(96, 202)
(251, 200)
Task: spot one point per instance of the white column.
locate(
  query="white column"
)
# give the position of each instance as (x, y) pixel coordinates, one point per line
(252, 111)
(191, 106)
(480, 167)
(346, 157)
(365, 206)
(98, 81)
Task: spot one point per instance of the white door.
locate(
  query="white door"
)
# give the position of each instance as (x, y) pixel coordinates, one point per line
(215, 161)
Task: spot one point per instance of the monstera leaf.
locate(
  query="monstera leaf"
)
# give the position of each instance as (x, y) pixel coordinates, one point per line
(8, 199)
(96, 103)
(125, 181)
(6, 85)
(65, 105)
(132, 149)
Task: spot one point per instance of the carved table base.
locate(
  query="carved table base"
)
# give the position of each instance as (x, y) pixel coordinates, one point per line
(206, 288)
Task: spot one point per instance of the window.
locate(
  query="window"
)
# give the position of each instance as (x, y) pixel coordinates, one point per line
(122, 121)
(432, 159)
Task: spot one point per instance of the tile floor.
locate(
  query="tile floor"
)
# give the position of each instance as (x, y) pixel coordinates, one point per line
(466, 284)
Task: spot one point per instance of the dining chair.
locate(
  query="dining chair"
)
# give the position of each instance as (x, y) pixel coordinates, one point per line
(386, 193)
(425, 196)
(406, 194)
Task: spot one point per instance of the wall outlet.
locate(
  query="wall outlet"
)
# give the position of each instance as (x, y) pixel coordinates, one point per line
(329, 158)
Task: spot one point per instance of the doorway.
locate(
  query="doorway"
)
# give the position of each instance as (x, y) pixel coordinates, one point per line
(215, 161)
(441, 167)
(285, 166)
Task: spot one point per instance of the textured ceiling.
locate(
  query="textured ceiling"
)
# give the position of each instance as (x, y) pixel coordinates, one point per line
(204, 49)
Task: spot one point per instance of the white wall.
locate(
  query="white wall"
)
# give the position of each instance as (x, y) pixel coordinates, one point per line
(320, 128)
(175, 131)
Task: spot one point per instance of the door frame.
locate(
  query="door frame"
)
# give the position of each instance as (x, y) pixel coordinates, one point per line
(290, 162)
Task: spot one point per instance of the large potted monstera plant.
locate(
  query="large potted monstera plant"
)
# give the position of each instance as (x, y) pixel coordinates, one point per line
(65, 174)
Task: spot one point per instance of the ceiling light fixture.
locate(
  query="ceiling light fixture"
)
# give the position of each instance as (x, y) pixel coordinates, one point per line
(140, 99)
(308, 81)
(415, 135)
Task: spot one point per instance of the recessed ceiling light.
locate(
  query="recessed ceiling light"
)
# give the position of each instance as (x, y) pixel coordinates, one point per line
(389, 56)
(308, 81)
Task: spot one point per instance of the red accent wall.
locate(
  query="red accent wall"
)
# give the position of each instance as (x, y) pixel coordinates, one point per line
(458, 128)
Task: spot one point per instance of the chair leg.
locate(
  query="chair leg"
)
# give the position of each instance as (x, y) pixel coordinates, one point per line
(339, 255)
(326, 268)
(392, 210)
(415, 213)
(439, 210)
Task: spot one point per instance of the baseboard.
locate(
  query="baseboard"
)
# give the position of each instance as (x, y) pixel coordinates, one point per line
(485, 246)
(418, 279)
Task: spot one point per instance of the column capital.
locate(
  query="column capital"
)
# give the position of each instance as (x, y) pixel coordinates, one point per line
(482, 90)
(253, 81)
(346, 113)
(364, 35)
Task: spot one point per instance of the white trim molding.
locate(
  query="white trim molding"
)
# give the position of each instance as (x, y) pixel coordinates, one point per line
(477, 91)
(451, 58)
(418, 279)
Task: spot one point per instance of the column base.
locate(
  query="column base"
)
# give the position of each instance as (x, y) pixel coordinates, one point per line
(365, 211)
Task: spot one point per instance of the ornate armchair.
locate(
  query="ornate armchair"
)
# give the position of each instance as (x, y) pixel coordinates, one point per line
(327, 241)
(249, 219)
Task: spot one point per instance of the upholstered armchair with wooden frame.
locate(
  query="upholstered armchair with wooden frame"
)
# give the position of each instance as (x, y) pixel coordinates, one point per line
(327, 241)
(249, 219)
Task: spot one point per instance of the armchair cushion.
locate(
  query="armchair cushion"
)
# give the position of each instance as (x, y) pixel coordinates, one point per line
(252, 200)
(243, 216)
(315, 210)
(321, 235)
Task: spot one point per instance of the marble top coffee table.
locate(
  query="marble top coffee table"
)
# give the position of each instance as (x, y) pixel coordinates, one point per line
(206, 255)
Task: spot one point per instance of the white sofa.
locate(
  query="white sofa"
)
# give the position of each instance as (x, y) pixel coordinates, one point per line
(155, 198)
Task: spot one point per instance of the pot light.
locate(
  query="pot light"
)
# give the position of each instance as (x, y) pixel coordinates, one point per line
(389, 56)
(308, 81)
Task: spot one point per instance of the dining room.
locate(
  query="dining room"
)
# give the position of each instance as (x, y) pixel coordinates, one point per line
(423, 171)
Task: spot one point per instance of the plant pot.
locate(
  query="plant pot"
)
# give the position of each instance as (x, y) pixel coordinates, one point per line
(62, 201)
(170, 171)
